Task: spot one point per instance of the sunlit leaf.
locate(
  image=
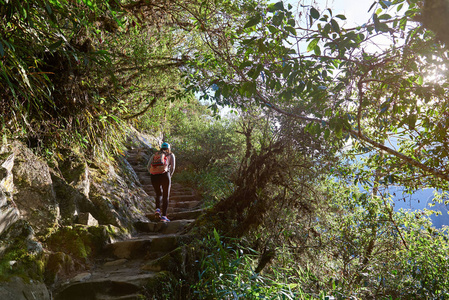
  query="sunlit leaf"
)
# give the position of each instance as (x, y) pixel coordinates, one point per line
(312, 45)
(420, 80)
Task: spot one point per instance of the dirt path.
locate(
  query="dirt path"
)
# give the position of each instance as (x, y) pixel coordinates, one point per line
(140, 266)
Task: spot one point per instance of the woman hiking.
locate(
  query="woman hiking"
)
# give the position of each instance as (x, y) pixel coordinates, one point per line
(161, 167)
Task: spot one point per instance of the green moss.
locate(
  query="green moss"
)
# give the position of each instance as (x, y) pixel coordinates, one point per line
(15, 258)
(76, 241)
(18, 262)
(80, 241)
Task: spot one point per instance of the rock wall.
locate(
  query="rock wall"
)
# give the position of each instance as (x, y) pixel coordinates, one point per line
(40, 203)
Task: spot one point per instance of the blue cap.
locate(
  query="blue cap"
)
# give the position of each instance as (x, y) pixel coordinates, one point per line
(165, 146)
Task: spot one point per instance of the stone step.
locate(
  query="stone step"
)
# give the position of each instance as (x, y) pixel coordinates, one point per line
(181, 215)
(175, 189)
(126, 297)
(142, 246)
(161, 227)
(145, 180)
(141, 172)
(150, 191)
(174, 210)
(184, 204)
(109, 287)
(182, 197)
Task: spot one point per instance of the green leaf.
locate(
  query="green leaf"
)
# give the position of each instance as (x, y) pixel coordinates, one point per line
(378, 26)
(314, 13)
(48, 7)
(24, 76)
(411, 121)
(420, 80)
(245, 64)
(275, 6)
(54, 46)
(327, 133)
(384, 17)
(335, 25)
(2, 51)
(291, 30)
(253, 21)
(287, 70)
(248, 88)
(341, 17)
(312, 45)
(248, 41)
(273, 29)
(217, 237)
(277, 19)
(255, 72)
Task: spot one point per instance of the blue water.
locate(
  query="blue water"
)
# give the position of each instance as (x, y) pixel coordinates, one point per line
(420, 200)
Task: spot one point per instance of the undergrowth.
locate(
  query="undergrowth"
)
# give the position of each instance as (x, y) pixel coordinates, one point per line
(228, 272)
(213, 184)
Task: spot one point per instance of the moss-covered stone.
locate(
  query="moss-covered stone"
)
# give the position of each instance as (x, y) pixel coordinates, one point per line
(20, 254)
(81, 242)
(77, 241)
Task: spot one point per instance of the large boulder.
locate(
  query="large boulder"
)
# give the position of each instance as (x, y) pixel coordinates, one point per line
(17, 288)
(117, 198)
(34, 197)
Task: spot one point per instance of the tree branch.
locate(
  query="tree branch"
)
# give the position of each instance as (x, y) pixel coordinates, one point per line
(358, 134)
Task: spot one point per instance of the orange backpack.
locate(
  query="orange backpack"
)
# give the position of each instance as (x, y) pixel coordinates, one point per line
(159, 164)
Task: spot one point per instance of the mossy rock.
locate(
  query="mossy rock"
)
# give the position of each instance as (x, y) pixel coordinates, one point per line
(18, 262)
(20, 254)
(79, 241)
(82, 242)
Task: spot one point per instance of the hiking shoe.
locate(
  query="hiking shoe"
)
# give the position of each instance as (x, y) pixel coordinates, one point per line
(164, 219)
(157, 213)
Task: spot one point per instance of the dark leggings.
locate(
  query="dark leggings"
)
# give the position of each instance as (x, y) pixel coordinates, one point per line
(162, 184)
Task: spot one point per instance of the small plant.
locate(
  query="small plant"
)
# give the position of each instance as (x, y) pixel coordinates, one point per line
(227, 272)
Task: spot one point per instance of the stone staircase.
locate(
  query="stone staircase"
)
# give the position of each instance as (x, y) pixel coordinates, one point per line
(140, 266)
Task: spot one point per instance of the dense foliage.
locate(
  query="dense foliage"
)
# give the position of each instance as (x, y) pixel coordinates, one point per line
(294, 211)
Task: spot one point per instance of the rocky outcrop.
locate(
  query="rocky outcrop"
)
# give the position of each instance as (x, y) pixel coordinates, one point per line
(17, 288)
(55, 218)
(26, 190)
(34, 195)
